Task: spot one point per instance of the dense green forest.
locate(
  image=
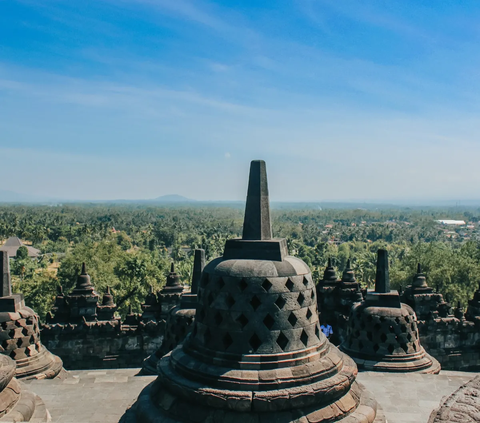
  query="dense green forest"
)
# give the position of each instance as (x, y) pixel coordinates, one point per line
(130, 248)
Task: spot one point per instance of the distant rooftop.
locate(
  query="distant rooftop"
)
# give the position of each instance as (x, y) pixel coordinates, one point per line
(451, 222)
(13, 244)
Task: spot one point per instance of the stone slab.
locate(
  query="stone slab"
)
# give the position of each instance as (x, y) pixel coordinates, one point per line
(93, 396)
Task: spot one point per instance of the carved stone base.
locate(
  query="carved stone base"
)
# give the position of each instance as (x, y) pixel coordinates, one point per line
(20, 340)
(343, 410)
(43, 365)
(463, 406)
(17, 403)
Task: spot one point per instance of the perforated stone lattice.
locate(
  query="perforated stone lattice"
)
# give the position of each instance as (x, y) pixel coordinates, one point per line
(382, 335)
(256, 315)
(20, 338)
(178, 326)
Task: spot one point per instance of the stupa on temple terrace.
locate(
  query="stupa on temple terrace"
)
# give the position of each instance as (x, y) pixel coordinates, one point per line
(171, 293)
(382, 334)
(421, 297)
(20, 333)
(256, 352)
(180, 318)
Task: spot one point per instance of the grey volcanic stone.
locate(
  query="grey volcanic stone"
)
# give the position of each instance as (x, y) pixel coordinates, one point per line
(6, 288)
(382, 278)
(463, 406)
(20, 333)
(18, 404)
(382, 333)
(256, 352)
(256, 224)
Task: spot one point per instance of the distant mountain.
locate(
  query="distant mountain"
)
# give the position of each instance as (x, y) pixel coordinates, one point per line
(15, 197)
(173, 198)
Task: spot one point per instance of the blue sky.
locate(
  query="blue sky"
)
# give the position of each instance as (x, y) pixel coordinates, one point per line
(345, 100)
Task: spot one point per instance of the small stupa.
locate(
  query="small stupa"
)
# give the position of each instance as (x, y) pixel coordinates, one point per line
(473, 309)
(326, 288)
(348, 291)
(151, 308)
(422, 298)
(171, 293)
(106, 310)
(382, 332)
(20, 332)
(83, 300)
(180, 318)
(256, 352)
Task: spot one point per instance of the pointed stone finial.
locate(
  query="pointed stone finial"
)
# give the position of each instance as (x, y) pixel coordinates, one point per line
(256, 224)
(348, 273)
(130, 310)
(382, 279)
(83, 280)
(107, 299)
(59, 290)
(6, 289)
(419, 280)
(173, 278)
(198, 265)
(329, 274)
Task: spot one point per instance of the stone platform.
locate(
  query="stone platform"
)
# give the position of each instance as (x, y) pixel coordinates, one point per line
(102, 396)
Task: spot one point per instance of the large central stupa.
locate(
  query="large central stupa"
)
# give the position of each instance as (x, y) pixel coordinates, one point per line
(256, 352)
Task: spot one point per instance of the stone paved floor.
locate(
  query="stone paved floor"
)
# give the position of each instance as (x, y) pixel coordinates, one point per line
(102, 396)
(409, 398)
(91, 396)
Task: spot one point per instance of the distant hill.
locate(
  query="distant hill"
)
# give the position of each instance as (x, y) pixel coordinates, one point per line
(173, 198)
(15, 197)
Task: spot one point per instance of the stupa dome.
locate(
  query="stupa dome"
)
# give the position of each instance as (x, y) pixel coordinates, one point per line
(382, 334)
(256, 352)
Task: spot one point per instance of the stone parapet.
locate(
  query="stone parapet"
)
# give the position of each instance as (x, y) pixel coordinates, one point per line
(103, 344)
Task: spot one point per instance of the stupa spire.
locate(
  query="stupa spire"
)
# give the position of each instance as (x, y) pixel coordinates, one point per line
(83, 280)
(256, 225)
(382, 279)
(419, 280)
(348, 274)
(329, 274)
(173, 279)
(198, 265)
(6, 288)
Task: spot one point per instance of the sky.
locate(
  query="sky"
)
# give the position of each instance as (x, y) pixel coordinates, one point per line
(346, 100)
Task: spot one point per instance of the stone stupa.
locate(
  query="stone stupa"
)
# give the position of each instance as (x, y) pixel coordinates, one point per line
(171, 293)
(473, 309)
(256, 352)
(180, 318)
(421, 297)
(326, 298)
(382, 332)
(17, 403)
(20, 332)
